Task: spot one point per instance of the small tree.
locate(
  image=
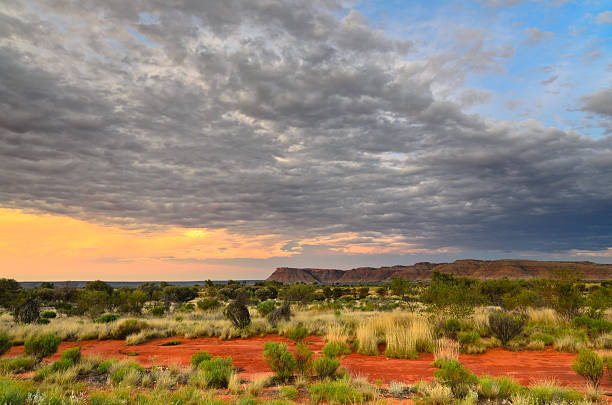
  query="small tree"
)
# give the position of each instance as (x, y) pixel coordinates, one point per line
(238, 314)
(28, 311)
(279, 314)
(589, 365)
(506, 326)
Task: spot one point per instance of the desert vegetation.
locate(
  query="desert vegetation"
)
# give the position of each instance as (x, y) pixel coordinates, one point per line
(446, 318)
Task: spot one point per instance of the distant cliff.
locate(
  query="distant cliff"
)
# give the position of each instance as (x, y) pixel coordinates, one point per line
(483, 269)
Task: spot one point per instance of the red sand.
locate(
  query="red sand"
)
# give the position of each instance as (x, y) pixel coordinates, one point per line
(525, 366)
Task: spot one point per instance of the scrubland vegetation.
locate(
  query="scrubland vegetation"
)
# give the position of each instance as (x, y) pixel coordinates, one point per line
(400, 320)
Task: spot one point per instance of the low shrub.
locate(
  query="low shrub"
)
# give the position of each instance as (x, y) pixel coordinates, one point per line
(16, 365)
(282, 313)
(43, 321)
(506, 326)
(325, 367)
(590, 366)
(42, 346)
(547, 339)
(106, 318)
(451, 327)
(208, 303)
(288, 392)
(280, 360)
(199, 357)
(456, 376)
(217, 372)
(69, 358)
(127, 372)
(488, 388)
(238, 314)
(128, 327)
(595, 327)
(157, 310)
(48, 314)
(5, 343)
(303, 358)
(335, 349)
(546, 393)
(468, 338)
(298, 333)
(264, 308)
(335, 392)
(173, 342)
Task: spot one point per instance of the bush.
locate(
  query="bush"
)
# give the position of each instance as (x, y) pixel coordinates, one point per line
(120, 372)
(543, 337)
(238, 314)
(280, 360)
(72, 355)
(5, 343)
(297, 334)
(207, 304)
(16, 365)
(49, 314)
(157, 310)
(28, 311)
(106, 318)
(335, 349)
(264, 308)
(325, 367)
(199, 357)
(288, 392)
(303, 358)
(336, 392)
(456, 376)
(282, 313)
(589, 365)
(505, 326)
(451, 327)
(43, 321)
(546, 393)
(594, 326)
(42, 346)
(128, 327)
(468, 338)
(217, 372)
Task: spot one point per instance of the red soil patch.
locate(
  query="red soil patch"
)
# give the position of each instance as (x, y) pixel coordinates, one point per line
(247, 354)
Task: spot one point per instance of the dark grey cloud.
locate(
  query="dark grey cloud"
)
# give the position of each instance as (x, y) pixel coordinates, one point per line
(273, 116)
(599, 102)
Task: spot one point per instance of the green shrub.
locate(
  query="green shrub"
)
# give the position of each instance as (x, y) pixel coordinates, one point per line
(73, 355)
(15, 392)
(508, 387)
(208, 303)
(546, 393)
(199, 357)
(325, 367)
(48, 314)
(104, 366)
(594, 326)
(42, 346)
(280, 360)
(451, 327)
(505, 326)
(264, 308)
(589, 365)
(5, 343)
(303, 358)
(335, 349)
(106, 318)
(217, 372)
(43, 321)
(173, 342)
(16, 365)
(128, 327)
(543, 337)
(61, 365)
(335, 392)
(456, 376)
(288, 392)
(297, 334)
(119, 374)
(157, 310)
(468, 338)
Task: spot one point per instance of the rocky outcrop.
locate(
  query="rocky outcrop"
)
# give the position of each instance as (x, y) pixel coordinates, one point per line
(483, 269)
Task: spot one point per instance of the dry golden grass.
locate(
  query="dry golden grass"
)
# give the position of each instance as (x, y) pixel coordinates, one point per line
(446, 349)
(257, 384)
(544, 315)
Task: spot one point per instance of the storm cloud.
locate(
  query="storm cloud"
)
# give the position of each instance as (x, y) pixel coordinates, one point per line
(271, 116)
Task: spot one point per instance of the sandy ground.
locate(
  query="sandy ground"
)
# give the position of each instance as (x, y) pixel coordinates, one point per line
(525, 366)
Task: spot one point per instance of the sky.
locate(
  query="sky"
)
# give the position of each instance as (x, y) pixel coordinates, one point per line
(193, 140)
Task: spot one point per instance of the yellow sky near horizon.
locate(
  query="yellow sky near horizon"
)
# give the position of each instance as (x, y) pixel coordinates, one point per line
(41, 247)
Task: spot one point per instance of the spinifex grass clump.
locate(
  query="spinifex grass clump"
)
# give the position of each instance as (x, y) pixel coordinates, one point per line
(217, 372)
(456, 376)
(199, 357)
(42, 346)
(406, 339)
(335, 349)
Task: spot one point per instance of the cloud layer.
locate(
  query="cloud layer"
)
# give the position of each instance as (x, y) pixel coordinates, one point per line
(299, 119)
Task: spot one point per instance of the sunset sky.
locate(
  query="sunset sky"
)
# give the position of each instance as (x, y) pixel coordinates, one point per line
(193, 140)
